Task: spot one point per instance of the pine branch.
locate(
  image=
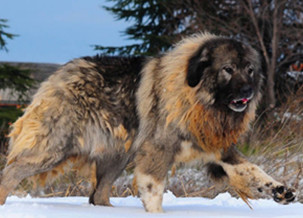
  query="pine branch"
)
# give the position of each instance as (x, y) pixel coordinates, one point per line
(4, 34)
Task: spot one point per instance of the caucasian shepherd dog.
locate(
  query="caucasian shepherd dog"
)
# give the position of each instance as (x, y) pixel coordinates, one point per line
(191, 103)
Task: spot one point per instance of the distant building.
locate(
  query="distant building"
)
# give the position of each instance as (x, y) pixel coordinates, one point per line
(39, 72)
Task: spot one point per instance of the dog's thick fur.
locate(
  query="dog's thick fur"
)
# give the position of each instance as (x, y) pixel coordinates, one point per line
(190, 103)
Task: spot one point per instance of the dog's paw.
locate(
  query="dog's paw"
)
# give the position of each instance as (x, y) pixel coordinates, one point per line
(283, 195)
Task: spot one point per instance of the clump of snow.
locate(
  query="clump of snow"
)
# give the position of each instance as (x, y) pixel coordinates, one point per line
(295, 75)
(222, 206)
(288, 115)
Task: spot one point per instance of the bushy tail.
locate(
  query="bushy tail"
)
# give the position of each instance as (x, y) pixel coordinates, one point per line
(81, 166)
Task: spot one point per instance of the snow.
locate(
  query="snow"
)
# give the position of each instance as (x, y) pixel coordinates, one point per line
(222, 206)
(296, 75)
(289, 115)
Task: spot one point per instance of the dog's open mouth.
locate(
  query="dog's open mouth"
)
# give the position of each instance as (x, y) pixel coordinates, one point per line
(239, 105)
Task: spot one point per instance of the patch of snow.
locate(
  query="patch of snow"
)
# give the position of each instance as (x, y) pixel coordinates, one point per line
(296, 75)
(288, 115)
(222, 206)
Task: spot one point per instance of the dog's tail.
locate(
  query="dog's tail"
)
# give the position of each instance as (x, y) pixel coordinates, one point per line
(79, 166)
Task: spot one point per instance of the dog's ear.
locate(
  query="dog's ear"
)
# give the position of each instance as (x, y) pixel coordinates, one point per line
(196, 66)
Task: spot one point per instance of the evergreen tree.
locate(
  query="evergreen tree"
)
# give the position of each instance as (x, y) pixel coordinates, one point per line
(153, 25)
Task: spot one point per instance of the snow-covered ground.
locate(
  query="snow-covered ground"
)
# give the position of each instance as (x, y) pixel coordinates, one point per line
(222, 206)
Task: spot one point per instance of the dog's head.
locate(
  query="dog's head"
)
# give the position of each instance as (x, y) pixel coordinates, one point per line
(229, 71)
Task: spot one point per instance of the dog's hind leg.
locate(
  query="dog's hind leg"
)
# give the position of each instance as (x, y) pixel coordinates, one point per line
(108, 169)
(26, 166)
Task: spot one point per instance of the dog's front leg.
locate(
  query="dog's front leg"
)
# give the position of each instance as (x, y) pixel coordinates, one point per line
(152, 163)
(249, 180)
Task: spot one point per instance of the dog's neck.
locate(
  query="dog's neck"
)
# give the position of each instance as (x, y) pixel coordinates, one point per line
(215, 130)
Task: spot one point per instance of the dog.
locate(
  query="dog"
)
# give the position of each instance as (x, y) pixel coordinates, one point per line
(193, 102)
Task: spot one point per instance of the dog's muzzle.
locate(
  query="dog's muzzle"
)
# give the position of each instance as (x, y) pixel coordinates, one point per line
(240, 104)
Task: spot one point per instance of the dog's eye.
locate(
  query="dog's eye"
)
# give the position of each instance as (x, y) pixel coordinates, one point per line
(228, 70)
(250, 71)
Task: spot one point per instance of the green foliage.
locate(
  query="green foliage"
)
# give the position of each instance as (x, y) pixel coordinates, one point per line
(17, 80)
(134, 49)
(154, 26)
(4, 34)
(8, 115)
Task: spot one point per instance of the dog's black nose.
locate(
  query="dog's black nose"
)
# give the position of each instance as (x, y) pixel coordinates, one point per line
(246, 91)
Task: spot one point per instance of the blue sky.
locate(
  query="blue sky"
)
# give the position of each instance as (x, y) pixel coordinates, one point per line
(56, 31)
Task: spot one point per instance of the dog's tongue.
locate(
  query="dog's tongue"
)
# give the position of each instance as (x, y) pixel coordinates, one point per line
(244, 100)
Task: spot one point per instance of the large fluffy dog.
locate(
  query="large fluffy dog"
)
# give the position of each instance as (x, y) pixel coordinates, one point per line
(191, 103)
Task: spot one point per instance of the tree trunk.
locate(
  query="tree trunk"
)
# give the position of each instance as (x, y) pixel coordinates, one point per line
(276, 19)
